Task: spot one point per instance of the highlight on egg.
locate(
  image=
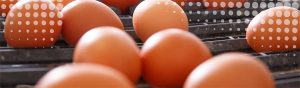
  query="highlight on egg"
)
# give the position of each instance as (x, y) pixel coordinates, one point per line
(151, 16)
(84, 76)
(274, 30)
(32, 24)
(231, 70)
(170, 55)
(111, 47)
(82, 15)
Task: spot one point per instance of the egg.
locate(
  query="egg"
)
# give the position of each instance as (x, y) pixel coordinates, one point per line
(275, 29)
(231, 70)
(84, 76)
(33, 23)
(152, 16)
(112, 47)
(82, 15)
(123, 5)
(223, 4)
(6, 5)
(170, 55)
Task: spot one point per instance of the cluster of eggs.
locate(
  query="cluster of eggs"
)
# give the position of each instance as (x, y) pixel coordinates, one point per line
(162, 63)
(124, 5)
(106, 56)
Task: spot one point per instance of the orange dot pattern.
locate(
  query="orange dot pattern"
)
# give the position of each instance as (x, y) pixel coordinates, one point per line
(33, 23)
(276, 29)
(6, 5)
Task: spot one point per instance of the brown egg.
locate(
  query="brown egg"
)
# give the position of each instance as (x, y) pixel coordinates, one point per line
(82, 15)
(5, 6)
(232, 70)
(275, 29)
(170, 55)
(84, 76)
(111, 47)
(152, 16)
(223, 4)
(33, 23)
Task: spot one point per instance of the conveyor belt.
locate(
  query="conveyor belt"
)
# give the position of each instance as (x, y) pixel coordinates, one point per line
(221, 33)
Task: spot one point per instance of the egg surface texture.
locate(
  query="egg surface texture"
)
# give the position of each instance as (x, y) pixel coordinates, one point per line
(123, 5)
(82, 15)
(111, 47)
(6, 5)
(170, 55)
(151, 16)
(84, 76)
(231, 70)
(33, 23)
(275, 29)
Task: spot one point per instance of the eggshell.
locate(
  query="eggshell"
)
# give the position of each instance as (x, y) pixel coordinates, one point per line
(152, 16)
(232, 70)
(170, 55)
(223, 4)
(33, 23)
(82, 15)
(123, 5)
(275, 29)
(6, 5)
(84, 76)
(111, 47)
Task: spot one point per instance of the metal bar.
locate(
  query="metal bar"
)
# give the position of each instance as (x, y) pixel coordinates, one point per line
(13, 56)
(229, 45)
(2, 22)
(276, 61)
(30, 75)
(61, 54)
(126, 20)
(281, 60)
(202, 31)
(221, 29)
